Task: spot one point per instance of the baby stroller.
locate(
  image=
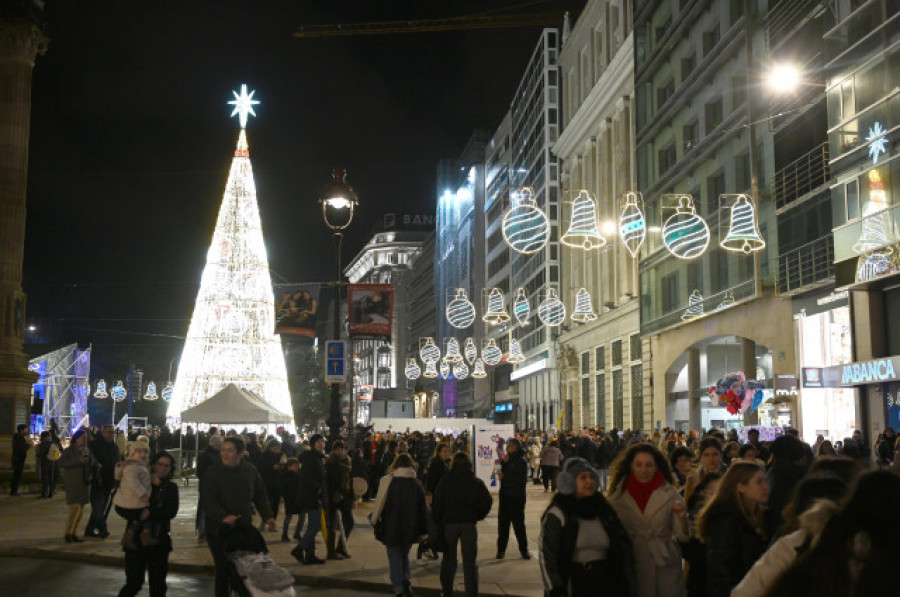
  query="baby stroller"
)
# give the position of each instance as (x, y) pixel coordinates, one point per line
(253, 573)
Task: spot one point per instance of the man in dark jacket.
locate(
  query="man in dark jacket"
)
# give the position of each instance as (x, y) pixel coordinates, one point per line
(228, 493)
(513, 478)
(106, 453)
(340, 499)
(20, 446)
(460, 500)
(206, 460)
(310, 498)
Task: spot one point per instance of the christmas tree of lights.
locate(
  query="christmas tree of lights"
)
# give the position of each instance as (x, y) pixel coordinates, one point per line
(231, 338)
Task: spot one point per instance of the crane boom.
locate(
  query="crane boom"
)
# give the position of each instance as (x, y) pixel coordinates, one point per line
(423, 25)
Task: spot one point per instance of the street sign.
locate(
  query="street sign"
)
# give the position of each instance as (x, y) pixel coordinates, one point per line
(335, 362)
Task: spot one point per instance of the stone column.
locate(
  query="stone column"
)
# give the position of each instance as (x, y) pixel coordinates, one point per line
(694, 390)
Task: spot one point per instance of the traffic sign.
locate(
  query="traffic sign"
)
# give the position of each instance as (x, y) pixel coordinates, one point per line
(335, 361)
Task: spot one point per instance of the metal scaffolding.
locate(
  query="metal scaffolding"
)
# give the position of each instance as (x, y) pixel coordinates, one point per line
(63, 386)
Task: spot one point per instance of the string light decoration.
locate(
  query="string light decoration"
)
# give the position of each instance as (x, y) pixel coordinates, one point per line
(584, 230)
(452, 353)
(695, 306)
(743, 235)
(495, 314)
(445, 369)
(526, 228)
(552, 311)
(118, 392)
(632, 223)
(430, 372)
(874, 227)
(412, 371)
(168, 391)
(470, 351)
(478, 371)
(460, 311)
(521, 307)
(685, 234)
(151, 394)
(727, 301)
(101, 390)
(584, 310)
(460, 371)
(428, 351)
(515, 352)
(231, 337)
(491, 353)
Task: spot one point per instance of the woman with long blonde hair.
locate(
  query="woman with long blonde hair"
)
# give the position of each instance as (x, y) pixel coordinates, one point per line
(732, 525)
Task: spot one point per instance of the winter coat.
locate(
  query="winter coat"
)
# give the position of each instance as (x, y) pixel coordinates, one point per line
(515, 475)
(436, 471)
(290, 488)
(400, 505)
(655, 534)
(233, 490)
(134, 484)
(107, 455)
(551, 456)
(267, 461)
(460, 497)
(337, 479)
(733, 545)
(77, 474)
(20, 447)
(163, 507)
(534, 455)
(205, 460)
(312, 480)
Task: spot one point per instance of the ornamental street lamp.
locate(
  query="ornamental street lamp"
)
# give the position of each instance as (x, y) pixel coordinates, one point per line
(338, 200)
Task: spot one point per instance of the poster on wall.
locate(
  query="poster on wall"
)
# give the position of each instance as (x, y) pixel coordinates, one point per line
(371, 306)
(489, 450)
(296, 309)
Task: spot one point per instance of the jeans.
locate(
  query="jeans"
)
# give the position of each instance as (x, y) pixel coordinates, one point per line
(18, 469)
(97, 522)
(467, 535)
(288, 517)
(511, 511)
(549, 475)
(154, 560)
(604, 478)
(308, 541)
(48, 477)
(346, 514)
(398, 560)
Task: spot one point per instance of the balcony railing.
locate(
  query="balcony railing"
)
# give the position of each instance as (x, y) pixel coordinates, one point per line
(802, 176)
(784, 17)
(809, 264)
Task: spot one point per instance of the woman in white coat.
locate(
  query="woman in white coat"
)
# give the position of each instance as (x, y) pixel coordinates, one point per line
(655, 516)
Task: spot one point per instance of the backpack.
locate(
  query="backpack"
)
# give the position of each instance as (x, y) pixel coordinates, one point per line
(53, 452)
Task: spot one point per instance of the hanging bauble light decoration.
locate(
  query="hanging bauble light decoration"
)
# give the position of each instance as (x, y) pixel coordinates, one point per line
(552, 311)
(695, 306)
(743, 235)
(151, 392)
(451, 352)
(168, 391)
(470, 351)
(685, 234)
(584, 310)
(495, 314)
(521, 307)
(460, 371)
(526, 228)
(412, 371)
(727, 301)
(478, 371)
(118, 393)
(491, 353)
(460, 311)
(101, 390)
(632, 224)
(445, 368)
(584, 230)
(515, 352)
(429, 352)
(430, 372)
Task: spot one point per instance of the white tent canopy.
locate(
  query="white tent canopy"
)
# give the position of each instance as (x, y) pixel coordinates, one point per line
(234, 405)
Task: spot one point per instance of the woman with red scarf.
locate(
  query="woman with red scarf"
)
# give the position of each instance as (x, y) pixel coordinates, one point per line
(653, 513)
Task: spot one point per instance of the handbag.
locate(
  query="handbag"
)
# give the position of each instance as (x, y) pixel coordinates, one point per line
(379, 530)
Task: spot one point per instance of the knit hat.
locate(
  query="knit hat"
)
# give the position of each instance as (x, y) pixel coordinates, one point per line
(573, 467)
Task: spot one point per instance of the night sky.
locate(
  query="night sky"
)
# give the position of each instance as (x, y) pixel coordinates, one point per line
(131, 142)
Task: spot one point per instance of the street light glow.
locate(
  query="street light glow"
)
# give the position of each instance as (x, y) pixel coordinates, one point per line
(338, 203)
(784, 78)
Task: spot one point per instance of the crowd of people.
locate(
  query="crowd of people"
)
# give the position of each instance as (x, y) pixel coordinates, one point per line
(649, 515)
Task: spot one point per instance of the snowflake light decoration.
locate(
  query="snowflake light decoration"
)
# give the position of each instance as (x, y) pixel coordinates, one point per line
(877, 141)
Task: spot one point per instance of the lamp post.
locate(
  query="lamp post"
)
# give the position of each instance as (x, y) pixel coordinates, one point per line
(338, 201)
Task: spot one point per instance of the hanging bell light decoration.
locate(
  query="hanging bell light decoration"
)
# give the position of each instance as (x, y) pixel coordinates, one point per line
(470, 351)
(727, 301)
(552, 311)
(515, 352)
(460, 311)
(743, 235)
(119, 393)
(632, 224)
(695, 306)
(526, 228)
(451, 352)
(168, 391)
(460, 371)
(584, 230)
(685, 234)
(151, 394)
(412, 371)
(101, 390)
(491, 353)
(495, 314)
(478, 371)
(429, 352)
(584, 310)
(521, 307)
(430, 371)
(445, 369)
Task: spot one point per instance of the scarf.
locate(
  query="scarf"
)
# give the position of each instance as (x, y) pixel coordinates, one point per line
(641, 492)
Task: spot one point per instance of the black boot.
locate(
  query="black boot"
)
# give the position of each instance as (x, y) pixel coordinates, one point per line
(311, 558)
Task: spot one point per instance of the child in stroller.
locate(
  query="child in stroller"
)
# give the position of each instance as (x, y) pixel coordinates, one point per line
(253, 573)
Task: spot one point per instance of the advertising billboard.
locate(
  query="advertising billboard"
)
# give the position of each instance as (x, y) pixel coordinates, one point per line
(371, 306)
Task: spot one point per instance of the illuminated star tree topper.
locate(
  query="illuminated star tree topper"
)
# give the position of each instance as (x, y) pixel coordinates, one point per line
(243, 105)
